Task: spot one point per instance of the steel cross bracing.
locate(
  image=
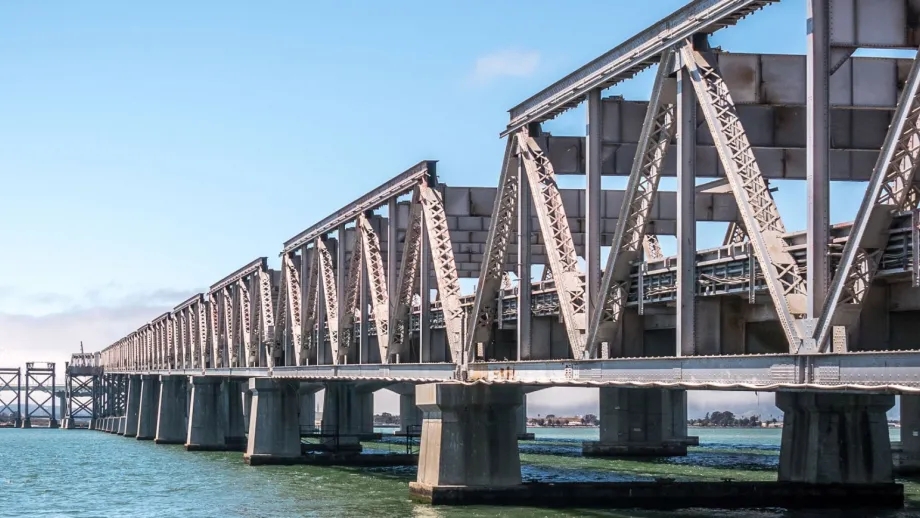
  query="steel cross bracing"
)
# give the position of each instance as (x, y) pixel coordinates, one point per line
(758, 211)
(350, 305)
(657, 130)
(330, 297)
(311, 304)
(376, 276)
(890, 190)
(80, 397)
(244, 324)
(39, 388)
(10, 389)
(442, 255)
(652, 247)
(735, 234)
(491, 273)
(291, 316)
(554, 225)
(408, 277)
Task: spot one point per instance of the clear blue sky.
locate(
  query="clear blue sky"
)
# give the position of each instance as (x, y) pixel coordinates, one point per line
(160, 146)
(148, 149)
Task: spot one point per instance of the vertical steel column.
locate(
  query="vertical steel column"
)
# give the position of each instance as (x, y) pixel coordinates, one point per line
(817, 155)
(594, 131)
(53, 397)
(321, 323)
(307, 330)
(525, 230)
(686, 219)
(392, 262)
(424, 315)
(341, 283)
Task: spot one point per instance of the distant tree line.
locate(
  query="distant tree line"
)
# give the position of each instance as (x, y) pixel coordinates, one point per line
(726, 419)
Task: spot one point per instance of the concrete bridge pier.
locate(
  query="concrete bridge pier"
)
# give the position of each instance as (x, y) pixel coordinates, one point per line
(307, 407)
(469, 437)
(641, 423)
(148, 408)
(348, 415)
(835, 438)
(274, 430)
(122, 422)
(410, 415)
(172, 416)
(232, 400)
(132, 406)
(907, 457)
(206, 424)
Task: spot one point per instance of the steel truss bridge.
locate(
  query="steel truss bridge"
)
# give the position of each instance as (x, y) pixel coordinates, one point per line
(373, 290)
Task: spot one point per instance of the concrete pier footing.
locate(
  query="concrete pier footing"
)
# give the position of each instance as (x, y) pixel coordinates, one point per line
(68, 423)
(835, 438)
(122, 421)
(172, 416)
(469, 437)
(132, 406)
(522, 433)
(641, 423)
(274, 430)
(148, 408)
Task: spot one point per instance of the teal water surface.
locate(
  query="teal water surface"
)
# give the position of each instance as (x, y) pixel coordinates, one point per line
(76, 472)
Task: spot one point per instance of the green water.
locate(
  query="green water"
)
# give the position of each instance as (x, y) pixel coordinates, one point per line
(71, 473)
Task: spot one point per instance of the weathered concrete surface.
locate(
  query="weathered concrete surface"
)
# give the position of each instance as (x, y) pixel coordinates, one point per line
(907, 456)
(172, 418)
(274, 430)
(469, 435)
(410, 415)
(148, 409)
(348, 415)
(307, 407)
(668, 496)
(132, 406)
(835, 438)
(641, 423)
(206, 424)
(121, 425)
(232, 400)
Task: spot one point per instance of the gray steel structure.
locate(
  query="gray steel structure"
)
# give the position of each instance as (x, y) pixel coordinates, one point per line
(11, 394)
(40, 390)
(352, 299)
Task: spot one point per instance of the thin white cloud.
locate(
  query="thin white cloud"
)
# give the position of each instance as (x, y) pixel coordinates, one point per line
(505, 63)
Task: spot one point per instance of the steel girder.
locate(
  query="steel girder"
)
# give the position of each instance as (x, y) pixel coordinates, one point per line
(759, 214)
(631, 226)
(291, 317)
(890, 190)
(408, 278)
(652, 247)
(376, 276)
(330, 297)
(346, 320)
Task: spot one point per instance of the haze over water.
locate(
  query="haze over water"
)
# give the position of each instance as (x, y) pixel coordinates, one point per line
(76, 472)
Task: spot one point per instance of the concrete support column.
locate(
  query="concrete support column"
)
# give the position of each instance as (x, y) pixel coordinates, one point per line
(410, 415)
(122, 421)
(232, 400)
(469, 436)
(207, 422)
(907, 460)
(132, 406)
(835, 438)
(522, 433)
(147, 410)
(274, 434)
(307, 407)
(348, 415)
(641, 423)
(172, 419)
(247, 405)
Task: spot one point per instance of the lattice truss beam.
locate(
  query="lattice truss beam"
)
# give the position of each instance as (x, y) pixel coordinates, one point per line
(630, 235)
(891, 190)
(759, 214)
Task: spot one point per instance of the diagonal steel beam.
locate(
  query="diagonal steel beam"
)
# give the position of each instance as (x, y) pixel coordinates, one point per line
(228, 320)
(346, 320)
(501, 224)
(244, 310)
(311, 305)
(652, 247)
(759, 213)
(560, 249)
(657, 131)
(290, 284)
(734, 234)
(217, 360)
(445, 268)
(267, 336)
(330, 297)
(376, 276)
(408, 278)
(890, 190)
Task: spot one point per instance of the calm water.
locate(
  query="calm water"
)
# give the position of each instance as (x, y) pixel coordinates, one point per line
(70, 473)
